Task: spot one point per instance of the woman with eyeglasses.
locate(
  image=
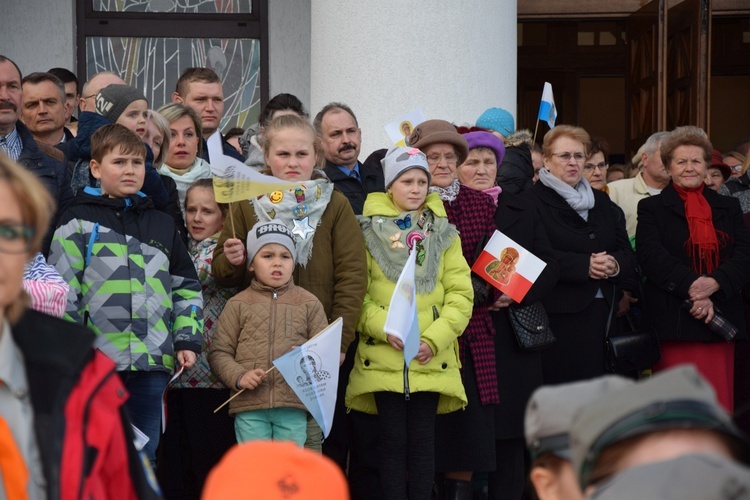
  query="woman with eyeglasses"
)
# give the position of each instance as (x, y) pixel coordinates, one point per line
(52, 379)
(497, 375)
(587, 232)
(595, 168)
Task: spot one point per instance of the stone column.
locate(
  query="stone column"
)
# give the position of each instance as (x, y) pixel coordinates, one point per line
(453, 59)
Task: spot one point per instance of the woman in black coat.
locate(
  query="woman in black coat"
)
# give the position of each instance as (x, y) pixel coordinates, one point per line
(692, 246)
(519, 373)
(587, 233)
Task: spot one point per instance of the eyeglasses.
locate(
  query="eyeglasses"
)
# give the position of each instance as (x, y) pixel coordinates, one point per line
(15, 237)
(578, 157)
(737, 168)
(601, 166)
(450, 158)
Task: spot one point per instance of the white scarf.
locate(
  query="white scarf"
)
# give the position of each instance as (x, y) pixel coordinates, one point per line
(200, 169)
(447, 193)
(580, 198)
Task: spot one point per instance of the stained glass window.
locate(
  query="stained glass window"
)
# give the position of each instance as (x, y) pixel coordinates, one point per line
(153, 65)
(175, 6)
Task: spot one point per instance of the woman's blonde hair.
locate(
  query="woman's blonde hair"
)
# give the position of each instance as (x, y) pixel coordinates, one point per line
(283, 122)
(570, 131)
(174, 111)
(37, 207)
(162, 124)
(745, 164)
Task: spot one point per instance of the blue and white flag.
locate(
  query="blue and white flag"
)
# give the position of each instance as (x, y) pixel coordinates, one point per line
(547, 109)
(312, 371)
(402, 320)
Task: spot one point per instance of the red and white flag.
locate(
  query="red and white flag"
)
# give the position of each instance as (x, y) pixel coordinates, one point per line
(508, 266)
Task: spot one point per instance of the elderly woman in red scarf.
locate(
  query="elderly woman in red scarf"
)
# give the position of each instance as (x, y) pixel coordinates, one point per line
(694, 251)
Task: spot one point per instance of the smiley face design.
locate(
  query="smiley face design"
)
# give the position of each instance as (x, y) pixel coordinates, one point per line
(276, 196)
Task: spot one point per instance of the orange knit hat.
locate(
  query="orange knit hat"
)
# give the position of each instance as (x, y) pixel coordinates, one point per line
(275, 470)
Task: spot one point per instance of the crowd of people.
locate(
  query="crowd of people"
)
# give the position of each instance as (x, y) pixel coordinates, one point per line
(110, 222)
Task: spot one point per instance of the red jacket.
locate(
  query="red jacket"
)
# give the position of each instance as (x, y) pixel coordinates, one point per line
(79, 414)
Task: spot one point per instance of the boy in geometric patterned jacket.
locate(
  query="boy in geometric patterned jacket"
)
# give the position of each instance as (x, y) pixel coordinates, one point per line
(131, 278)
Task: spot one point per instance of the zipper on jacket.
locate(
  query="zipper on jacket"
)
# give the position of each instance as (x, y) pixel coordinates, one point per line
(407, 392)
(90, 248)
(271, 327)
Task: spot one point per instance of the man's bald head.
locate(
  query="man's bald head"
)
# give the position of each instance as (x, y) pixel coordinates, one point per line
(94, 85)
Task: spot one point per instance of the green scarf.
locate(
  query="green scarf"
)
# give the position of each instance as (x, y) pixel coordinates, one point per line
(389, 243)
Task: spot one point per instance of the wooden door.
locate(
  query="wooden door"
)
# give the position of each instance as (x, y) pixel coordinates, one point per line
(644, 80)
(688, 64)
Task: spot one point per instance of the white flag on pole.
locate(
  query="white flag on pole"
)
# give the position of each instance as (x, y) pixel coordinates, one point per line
(402, 320)
(547, 109)
(312, 371)
(235, 181)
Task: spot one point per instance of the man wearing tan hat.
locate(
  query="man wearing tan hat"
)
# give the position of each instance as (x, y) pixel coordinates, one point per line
(673, 414)
(549, 417)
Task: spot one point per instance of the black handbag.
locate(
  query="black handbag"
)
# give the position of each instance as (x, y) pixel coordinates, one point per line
(634, 351)
(531, 326)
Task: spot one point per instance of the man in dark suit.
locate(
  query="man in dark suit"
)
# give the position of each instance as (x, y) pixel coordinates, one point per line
(341, 139)
(17, 142)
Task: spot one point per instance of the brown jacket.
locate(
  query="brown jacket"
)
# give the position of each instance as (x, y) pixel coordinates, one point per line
(257, 326)
(336, 272)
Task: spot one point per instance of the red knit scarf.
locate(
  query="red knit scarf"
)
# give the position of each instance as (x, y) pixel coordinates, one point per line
(704, 242)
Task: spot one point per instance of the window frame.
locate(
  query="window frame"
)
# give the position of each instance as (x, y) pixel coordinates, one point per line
(91, 23)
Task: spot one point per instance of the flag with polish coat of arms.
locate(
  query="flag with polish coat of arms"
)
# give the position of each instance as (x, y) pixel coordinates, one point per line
(508, 266)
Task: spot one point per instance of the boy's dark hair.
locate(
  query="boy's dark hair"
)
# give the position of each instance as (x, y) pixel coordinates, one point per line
(191, 75)
(112, 136)
(281, 102)
(234, 132)
(66, 76)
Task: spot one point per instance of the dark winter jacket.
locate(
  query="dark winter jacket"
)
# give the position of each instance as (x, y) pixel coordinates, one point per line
(356, 191)
(516, 171)
(78, 155)
(660, 238)
(50, 171)
(131, 280)
(227, 149)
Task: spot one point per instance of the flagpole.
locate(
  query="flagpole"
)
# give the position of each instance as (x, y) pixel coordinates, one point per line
(267, 372)
(240, 391)
(535, 129)
(231, 220)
